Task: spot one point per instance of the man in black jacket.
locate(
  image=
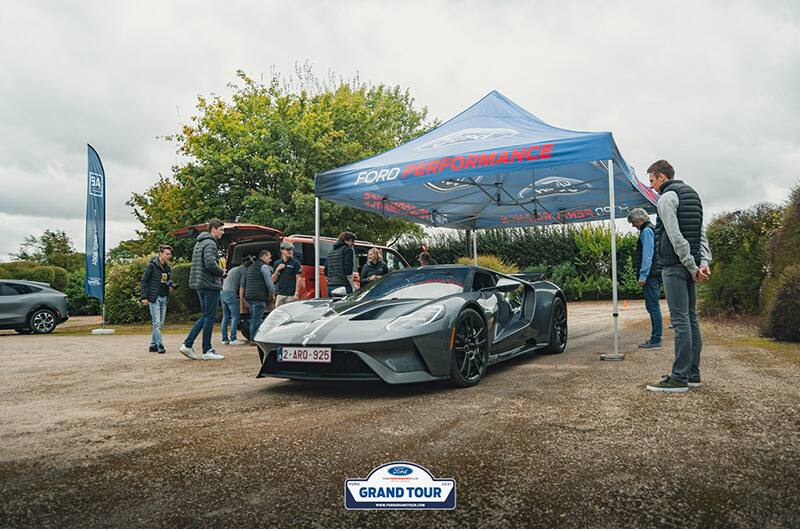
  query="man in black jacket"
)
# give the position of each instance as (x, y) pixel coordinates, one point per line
(340, 262)
(155, 287)
(258, 290)
(205, 276)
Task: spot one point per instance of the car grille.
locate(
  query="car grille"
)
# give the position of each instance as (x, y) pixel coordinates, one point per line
(343, 364)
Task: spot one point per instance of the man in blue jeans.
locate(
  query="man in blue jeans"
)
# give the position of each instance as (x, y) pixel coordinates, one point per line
(155, 286)
(230, 304)
(648, 272)
(684, 255)
(205, 276)
(259, 290)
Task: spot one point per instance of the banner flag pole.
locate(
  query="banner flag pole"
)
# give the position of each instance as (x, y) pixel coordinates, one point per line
(95, 285)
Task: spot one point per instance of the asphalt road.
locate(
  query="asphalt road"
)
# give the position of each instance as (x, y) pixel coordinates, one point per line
(96, 432)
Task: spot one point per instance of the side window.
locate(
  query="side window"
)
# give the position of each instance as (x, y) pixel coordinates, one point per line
(13, 289)
(360, 258)
(393, 260)
(307, 252)
(482, 280)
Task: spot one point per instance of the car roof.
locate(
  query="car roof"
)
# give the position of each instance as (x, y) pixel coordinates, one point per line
(26, 282)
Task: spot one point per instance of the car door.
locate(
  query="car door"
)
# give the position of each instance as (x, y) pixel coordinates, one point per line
(15, 302)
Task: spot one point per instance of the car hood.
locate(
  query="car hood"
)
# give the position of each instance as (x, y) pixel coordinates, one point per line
(335, 322)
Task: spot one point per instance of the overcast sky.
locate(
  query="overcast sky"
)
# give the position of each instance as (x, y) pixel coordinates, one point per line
(712, 87)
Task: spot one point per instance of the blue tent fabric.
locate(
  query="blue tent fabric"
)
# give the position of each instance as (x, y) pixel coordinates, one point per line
(493, 165)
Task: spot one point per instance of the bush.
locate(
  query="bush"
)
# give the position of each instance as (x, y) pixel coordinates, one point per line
(123, 304)
(783, 319)
(25, 270)
(80, 303)
(491, 262)
(738, 269)
(782, 250)
(183, 302)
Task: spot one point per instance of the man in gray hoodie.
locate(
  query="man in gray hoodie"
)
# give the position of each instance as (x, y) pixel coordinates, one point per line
(205, 276)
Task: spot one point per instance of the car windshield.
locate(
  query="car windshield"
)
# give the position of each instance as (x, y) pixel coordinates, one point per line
(414, 283)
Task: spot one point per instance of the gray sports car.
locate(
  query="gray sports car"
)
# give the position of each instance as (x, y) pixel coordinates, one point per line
(31, 307)
(416, 325)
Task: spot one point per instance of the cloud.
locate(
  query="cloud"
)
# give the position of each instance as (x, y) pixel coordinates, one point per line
(712, 87)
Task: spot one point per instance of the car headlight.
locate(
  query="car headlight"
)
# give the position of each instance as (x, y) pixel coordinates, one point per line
(415, 319)
(276, 318)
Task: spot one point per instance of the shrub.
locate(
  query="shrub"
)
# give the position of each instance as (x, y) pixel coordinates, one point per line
(491, 262)
(25, 270)
(80, 303)
(782, 249)
(123, 304)
(783, 319)
(183, 303)
(737, 242)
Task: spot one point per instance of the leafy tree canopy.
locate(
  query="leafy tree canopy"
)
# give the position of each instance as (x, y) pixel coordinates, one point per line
(253, 158)
(52, 248)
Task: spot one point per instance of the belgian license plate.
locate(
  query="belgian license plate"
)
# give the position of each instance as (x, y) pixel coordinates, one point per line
(320, 355)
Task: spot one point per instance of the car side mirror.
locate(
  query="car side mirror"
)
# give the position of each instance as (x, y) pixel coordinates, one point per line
(339, 292)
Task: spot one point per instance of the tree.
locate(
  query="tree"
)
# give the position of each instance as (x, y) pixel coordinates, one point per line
(52, 248)
(253, 159)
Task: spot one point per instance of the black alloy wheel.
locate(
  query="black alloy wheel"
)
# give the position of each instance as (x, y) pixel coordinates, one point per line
(42, 321)
(470, 354)
(558, 328)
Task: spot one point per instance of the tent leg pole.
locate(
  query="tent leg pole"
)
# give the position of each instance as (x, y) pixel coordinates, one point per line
(616, 355)
(316, 247)
(475, 247)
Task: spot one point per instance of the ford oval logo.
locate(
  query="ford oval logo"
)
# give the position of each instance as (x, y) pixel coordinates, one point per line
(400, 471)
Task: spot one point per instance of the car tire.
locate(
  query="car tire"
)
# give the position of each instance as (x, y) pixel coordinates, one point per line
(558, 328)
(469, 354)
(244, 325)
(42, 321)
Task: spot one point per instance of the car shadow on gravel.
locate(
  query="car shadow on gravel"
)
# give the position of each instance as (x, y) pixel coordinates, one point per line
(353, 390)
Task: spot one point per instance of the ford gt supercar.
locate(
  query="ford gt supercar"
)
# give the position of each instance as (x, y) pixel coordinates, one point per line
(415, 325)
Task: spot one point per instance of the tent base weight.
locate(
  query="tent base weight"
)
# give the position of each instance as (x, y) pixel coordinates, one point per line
(102, 331)
(613, 356)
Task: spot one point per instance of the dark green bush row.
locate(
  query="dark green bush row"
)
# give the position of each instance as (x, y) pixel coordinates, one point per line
(123, 303)
(577, 258)
(56, 276)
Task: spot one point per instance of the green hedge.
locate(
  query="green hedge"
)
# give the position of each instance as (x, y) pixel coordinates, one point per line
(122, 293)
(183, 302)
(56, 276)
(577, 258)
(783, 319)
(79, 303)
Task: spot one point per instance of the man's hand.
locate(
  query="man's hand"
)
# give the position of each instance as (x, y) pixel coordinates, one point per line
(373, 277)
(706, 271)
(280, 267)
(145, 302)
(642, 282)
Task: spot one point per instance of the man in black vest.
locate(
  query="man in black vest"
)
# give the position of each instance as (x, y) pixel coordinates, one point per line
(340, 262)
(684, 255)
(258, 290)
(648, 272)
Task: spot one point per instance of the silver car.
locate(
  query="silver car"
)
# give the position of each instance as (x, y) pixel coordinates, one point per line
(31, 307)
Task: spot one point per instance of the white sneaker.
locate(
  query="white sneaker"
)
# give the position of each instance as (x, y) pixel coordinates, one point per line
(188, 352)
(211, 355)
(225, 342)
(237, 342)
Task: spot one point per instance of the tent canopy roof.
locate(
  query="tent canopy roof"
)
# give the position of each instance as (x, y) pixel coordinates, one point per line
(493, 165)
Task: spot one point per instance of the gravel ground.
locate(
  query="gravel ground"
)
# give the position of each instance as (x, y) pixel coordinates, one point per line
(96, 432)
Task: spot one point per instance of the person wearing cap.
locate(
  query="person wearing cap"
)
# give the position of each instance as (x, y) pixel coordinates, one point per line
(287, 276)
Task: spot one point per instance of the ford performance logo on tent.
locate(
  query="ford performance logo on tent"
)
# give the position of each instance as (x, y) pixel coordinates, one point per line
(554, 185)
(467, 135)
(451, 184)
